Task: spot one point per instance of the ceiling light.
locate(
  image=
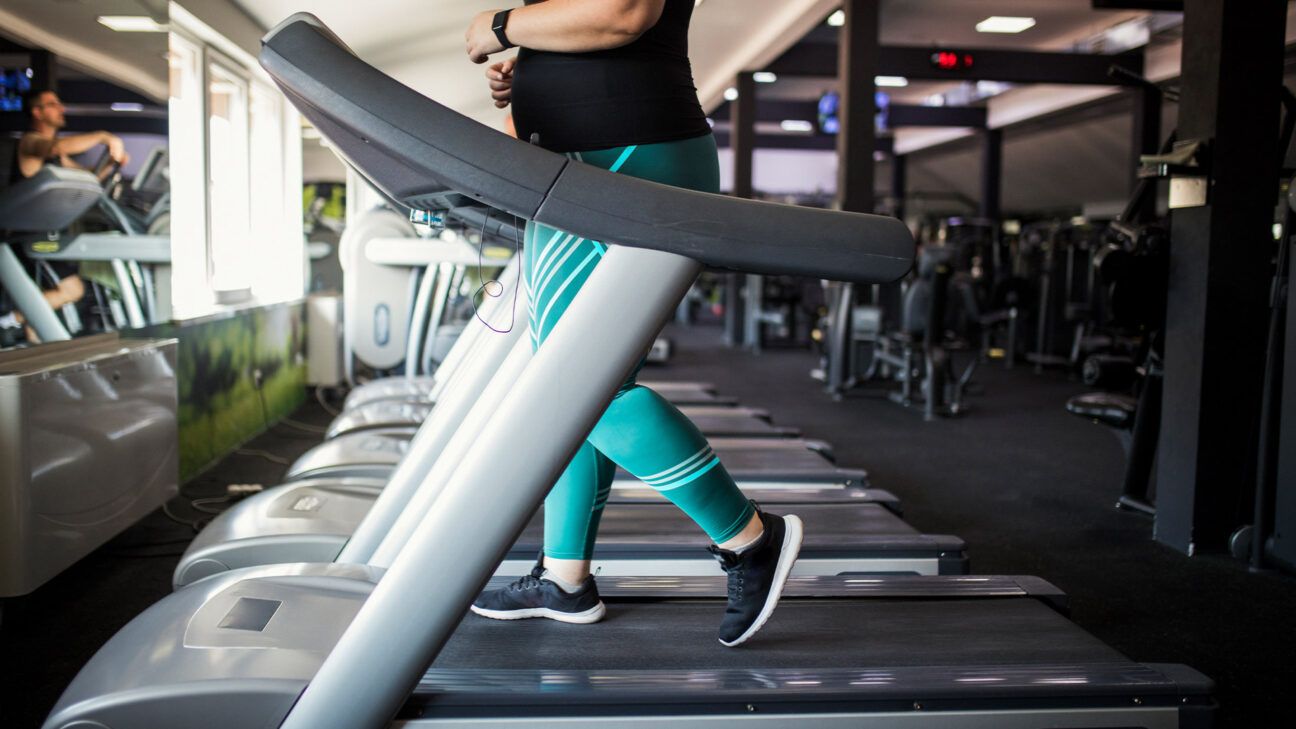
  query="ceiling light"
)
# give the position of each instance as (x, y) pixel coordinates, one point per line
(796, 125)
(892, 81)
(126, 106)
(1004, 24)
(764, 77)
(132, 23)
(731, 94)
(837, 19)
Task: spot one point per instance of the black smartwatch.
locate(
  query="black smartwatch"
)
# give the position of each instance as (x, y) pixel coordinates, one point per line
(497, 25)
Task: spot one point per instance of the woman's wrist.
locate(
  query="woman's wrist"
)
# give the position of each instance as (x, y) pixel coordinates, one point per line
(500, 26)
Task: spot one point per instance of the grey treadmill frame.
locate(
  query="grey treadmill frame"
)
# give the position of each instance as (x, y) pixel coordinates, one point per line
(397, 135)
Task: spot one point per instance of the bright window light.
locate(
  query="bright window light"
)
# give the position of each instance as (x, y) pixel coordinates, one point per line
(891, 81)
(837, 19)
(764, 77)
(1004, 24)
(796, 125)
(731, 94)
(132, 23)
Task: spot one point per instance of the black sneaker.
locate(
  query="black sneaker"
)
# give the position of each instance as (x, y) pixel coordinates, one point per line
(533, 596)
(757, 576)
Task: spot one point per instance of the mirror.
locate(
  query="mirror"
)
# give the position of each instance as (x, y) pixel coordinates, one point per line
(84, 86)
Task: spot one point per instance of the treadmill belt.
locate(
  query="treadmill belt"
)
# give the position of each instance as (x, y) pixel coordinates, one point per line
(804, 633)
(746, 461)
(714, 424)
(828, 527)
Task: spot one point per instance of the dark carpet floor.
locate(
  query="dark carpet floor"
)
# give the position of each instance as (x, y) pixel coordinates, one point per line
(1029, 487)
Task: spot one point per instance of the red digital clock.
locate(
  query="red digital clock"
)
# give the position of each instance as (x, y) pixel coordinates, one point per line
(952, 60)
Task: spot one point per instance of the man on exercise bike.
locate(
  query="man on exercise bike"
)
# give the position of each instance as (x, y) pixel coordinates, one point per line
(42, 145)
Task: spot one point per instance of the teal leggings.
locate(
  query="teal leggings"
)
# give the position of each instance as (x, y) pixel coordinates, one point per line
(640, 431)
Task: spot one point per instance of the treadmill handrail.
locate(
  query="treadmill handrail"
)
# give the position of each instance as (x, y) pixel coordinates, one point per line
(417, 152)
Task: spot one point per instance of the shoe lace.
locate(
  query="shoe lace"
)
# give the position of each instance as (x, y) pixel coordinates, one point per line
(528, 581)
(728, 561)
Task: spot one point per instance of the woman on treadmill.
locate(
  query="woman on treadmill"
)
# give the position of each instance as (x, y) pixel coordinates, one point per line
(608, 83)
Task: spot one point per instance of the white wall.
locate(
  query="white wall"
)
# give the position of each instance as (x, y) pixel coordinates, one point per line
(786, 171)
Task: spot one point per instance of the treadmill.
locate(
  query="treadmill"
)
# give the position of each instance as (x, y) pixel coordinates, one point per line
(857, 531)
(793, 462)
(420, 388)
(366, 644)
(733, 422)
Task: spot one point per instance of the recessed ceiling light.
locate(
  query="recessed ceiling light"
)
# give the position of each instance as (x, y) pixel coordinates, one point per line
(1004, 24)
(132, 23)
(764, 77)
(796, 125)
(837, 19)
(731, 94)
(126, 106)
(891, 81)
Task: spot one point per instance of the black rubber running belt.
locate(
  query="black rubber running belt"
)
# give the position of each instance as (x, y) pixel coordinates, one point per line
(821, 634)
(664, 527)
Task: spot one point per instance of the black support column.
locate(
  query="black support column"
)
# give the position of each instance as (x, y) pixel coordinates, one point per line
(742, 119)
(44, 66)
(857, 64)
(991, 172)
(1145, 127)
(899, 183)
(1220, 272)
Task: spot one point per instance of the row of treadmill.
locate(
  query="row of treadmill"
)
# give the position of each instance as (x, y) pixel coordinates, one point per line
(309, 603)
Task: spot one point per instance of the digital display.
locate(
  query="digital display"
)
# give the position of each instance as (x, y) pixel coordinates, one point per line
(952, 60)
(14, 82)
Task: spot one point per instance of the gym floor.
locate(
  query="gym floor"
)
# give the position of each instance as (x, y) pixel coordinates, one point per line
(1028, 486)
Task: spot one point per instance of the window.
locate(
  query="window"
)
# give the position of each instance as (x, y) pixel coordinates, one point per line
(228, 184)
(236, 234)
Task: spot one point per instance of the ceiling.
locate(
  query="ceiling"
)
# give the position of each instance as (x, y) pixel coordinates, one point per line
(421, 42)
(1058, 23)
(68, 28)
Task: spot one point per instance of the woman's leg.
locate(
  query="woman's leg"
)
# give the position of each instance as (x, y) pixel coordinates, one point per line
(647, 436)
(640, 431)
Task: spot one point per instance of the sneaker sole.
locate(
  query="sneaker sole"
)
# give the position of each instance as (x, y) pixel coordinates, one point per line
(593, 615)
(792, 536)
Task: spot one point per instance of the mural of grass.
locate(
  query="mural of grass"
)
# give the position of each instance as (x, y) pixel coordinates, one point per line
(222, 360)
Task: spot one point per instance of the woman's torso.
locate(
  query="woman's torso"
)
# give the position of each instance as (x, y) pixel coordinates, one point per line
(640, 93)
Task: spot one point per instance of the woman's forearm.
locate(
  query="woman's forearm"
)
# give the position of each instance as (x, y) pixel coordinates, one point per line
(580, 26)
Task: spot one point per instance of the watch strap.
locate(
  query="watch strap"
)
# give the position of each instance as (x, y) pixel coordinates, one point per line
(497, 25)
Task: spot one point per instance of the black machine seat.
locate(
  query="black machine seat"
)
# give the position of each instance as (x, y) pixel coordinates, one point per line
(1108, 408)
(49, 200)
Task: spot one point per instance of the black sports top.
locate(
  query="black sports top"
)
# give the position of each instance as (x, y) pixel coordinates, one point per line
(640, 93)
(15, 169)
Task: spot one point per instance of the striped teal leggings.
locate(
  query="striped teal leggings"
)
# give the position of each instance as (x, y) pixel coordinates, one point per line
(640, 431)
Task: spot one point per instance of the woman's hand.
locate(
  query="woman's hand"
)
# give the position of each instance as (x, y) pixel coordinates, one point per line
(480, 38)
(500, 77)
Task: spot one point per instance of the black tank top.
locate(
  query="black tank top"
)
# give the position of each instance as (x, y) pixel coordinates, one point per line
(15, 167)
(640, 93)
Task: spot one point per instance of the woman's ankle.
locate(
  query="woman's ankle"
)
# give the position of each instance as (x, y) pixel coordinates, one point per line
(571, 571)
(750, 534)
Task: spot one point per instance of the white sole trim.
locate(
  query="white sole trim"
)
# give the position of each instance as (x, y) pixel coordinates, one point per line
(593, 615)
(792, 535)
